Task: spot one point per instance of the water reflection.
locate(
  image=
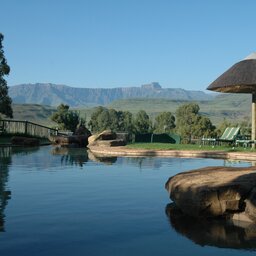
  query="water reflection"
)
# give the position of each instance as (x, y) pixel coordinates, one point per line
(145, 162)
(79, 156)
(5, 194)
(218, 233)
(71, 156)
(232, 162)
(6, 154)
(102, 158)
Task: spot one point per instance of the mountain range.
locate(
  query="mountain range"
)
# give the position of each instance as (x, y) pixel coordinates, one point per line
(53, 94)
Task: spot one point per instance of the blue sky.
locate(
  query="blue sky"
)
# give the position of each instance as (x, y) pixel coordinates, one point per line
(111, 43)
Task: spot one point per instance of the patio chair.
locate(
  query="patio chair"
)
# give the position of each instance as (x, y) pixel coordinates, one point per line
(229, 135)
(245, 141)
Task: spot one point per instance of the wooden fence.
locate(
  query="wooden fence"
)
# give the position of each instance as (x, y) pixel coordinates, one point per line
(26, 128)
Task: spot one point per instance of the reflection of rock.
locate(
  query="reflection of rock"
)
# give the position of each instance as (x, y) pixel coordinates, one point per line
(71, 155)
(106, 138)
(215, 191)
(218, 232)
(71, 141)
(24, 141)
(100, 158)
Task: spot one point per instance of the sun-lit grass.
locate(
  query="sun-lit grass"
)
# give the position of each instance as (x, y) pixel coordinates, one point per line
(168, 146)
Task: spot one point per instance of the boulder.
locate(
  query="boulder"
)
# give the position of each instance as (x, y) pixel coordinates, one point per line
(106, 138)
(109, 143)
(227, 192)
(92, 139)
(250, 208)
(82, 130)
(107, 135)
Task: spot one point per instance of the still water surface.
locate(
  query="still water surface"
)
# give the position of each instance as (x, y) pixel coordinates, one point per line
(67, 202)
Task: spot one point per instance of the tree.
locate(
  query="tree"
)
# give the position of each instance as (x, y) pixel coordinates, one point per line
(103, 118)
(190, 123)
(142, 122)
(114, 120)
(164, 122)
(66, 118)
(93, 123)
(5, 100)
(125, 121)
(205, 128)
(100, 119)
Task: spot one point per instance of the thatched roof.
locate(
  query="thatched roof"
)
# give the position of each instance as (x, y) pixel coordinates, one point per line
(240, 78)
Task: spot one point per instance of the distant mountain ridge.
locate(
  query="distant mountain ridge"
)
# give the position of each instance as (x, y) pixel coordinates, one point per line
(53, 95)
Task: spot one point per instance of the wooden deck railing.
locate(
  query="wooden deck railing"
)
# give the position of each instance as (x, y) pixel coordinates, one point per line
(26, 128)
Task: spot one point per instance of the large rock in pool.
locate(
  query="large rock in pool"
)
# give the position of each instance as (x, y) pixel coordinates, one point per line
(106, 138)
(216, 192)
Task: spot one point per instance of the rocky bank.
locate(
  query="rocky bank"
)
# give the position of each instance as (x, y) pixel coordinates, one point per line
(213, 192)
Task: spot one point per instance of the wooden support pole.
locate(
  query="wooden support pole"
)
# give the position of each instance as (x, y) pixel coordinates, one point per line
(26, 127)
(253, 118)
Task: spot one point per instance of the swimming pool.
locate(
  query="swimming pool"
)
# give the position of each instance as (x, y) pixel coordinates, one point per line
(57, 201)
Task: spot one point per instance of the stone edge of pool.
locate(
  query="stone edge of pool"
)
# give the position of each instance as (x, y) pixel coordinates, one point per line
(122, 151)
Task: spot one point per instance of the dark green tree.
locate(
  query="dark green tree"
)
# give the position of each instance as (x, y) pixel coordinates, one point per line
(103, 118)
(164, 122)
(5, 100)
(93, 123)
(190, 123)
(100, 119)
(126, 121)
(114, 120)
(142, 123)
(205, 128)
(67, 119)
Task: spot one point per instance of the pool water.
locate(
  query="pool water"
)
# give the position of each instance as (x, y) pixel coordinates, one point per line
(57, 201)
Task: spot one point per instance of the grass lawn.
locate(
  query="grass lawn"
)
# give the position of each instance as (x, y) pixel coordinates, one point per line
(168, 146)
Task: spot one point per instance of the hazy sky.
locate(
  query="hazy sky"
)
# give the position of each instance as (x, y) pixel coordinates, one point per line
(113, 43)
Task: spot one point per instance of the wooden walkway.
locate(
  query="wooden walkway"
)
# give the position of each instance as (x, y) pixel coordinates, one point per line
(26, 128)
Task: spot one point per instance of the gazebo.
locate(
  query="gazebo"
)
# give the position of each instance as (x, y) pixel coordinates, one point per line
(240, 78)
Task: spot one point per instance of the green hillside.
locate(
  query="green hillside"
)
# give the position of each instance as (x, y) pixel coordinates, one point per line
(233, 107)
(33, 112)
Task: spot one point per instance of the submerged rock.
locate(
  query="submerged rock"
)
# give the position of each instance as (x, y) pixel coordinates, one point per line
(227, 192)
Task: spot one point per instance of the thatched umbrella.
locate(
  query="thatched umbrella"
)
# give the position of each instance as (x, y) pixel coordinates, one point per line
(240, 78)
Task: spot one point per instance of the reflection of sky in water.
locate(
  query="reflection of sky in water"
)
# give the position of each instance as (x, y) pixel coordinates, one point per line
(80, 206)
